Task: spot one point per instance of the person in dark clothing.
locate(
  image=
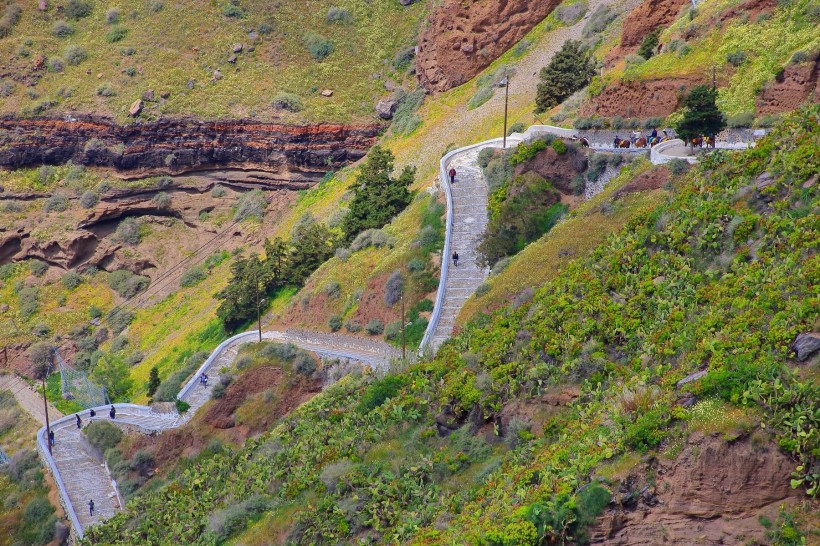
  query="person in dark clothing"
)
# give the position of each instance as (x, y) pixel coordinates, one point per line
(79, 421)
(452, 175)
(91, 507)
(51, 438)
(92, 414)
(455, 259)
(205, 379)
(112, 413)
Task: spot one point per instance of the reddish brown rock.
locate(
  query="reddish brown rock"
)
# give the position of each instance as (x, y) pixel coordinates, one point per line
(182, 145)
(463, 37)
(648, 16)
(640, 99)
(794, 86)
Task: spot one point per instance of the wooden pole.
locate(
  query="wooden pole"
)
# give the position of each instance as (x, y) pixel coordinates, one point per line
(506, 98)
(45, 406)
(403, 326)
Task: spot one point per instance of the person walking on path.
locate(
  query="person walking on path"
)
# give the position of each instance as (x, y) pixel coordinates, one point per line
(452, 174)
(91, 507)
(79, 421)
(455, 259)
(112, 413)
(91, 415)
(51, 438)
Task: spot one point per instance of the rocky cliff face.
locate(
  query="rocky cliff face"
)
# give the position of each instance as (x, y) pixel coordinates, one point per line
(648, 16)
(795, 85)
(181, 145)
(463, 37)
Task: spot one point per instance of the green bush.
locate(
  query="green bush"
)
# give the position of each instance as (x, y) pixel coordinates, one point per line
(736, 58)
(569, 71)
(105, 90)
(649, 44)
(526, 151)
(126, 283)
(375, 327)
(482, 95)
(72, 280)
(678, 166)
(334, 323)
(233, 11)
(77, 9)
(380, 391)
(353, 326)
(119, 319)
(647, 431)
(405, 120)
(742, 120)
(193, 276)
(338, 15)
(571, 14)
(88, 199)
(287, 101)
(128, 231)
(304, 364)
(61, 29)
(116, 34)
(56, 203)
(559, 146)
(403, 58)
(103, 435)
(37, 267)
(161, 200)
(218, 191)
(251, 204)
(112, 16)
(319, 47)
(182, 406)
(517, 127)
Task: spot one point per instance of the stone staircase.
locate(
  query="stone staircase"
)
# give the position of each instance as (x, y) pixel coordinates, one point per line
(469, 201)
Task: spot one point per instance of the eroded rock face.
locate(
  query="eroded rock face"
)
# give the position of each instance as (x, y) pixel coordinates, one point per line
(463, 37)
(648, 16)
(640, 99)
(176, 146)
(713, 493)
(797, 84)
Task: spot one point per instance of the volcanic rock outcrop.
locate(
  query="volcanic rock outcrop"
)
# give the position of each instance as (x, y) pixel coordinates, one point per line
(648, 16)
(463, 37)
(183, 145)
(796, 84)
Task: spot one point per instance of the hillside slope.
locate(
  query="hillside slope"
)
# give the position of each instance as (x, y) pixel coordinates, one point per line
(497, 440)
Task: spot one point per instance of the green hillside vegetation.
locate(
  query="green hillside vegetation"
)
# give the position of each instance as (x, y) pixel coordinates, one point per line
(103, 57)
(720, 277)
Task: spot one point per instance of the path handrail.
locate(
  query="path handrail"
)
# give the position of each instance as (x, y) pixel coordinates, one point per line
(214, 355)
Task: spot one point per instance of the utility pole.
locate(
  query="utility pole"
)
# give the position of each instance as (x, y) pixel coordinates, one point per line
(714, 80)
(506, 100)
(258, 304)
(403, 326)
(45, 406)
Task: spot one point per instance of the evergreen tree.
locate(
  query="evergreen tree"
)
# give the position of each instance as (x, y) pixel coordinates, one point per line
(311, 247)
(239, 296)
(153, 381)
(701, 115)
(378, 197)
(569, 70)
(649, 43)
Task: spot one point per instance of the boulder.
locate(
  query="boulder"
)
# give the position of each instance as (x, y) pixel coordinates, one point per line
(190, 84)
(148, 95)
(165, 95)
(805, 345)
(406, 3)
(386, 107)
(327, 93)
(232, 59)
(136, 108)
(42, 5)
(217, 75)
(237, 47)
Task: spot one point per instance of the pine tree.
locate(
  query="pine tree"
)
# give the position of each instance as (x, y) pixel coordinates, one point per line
(701, 115)
(649, 43)
(378, 197)
(153, 381)
(569, 71)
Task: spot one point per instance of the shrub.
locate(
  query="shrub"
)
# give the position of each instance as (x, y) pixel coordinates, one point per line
(265, 29)
(736, 58)
(742, 120)
(156, 6)
(134, 358)
(288, 101)
(193, 276)
(370, 237)
(56, 203)
(482, 95)
(353, 327)
(393, 330)
(393, 288)
(127, 284)
(105, 90)
(559, 146)
(284, 351)
(75, 55)
(678, 166)
(569, 15)
(634, 60)
(72, 280)
(338, 15)
(103, 435)
(218, 191)
(231, 10)
(116, 34)
(379, 391)
(128, 231)
(334, 323)
(374, 327)
(77, 9)
(94, 312)
(598, 21)
(517, 127)
(647, 430)
(37, 267)
(118, 343)
(61, 29)
(648, 45)
(403, 58)
(405, 120)
(112, 16)
(800, 57)
(235, 518)
(304, 364)
(343, 254)
(88, 199)
(319, 47)
(569, 71)
(6, 88)
(498, 172)
(251, 205)
(332, 289)
(162, 200)
(652, 123)
(521, 48)
(484, 157)
(181, 405)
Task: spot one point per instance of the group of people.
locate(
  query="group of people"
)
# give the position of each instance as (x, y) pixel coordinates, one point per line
(638, 140)
(203, 379)
(112, 413)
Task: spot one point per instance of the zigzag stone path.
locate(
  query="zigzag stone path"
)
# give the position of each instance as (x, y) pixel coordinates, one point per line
(79, 471)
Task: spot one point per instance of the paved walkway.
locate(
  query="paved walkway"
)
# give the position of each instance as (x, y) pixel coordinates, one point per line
(79, 470)
(29, 399)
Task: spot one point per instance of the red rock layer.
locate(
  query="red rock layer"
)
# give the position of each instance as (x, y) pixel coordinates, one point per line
(463, 37)
(796, 85)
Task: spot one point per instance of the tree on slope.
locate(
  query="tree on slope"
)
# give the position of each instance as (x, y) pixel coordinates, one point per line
(378, 196)
(569, 70)
(701, 115)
